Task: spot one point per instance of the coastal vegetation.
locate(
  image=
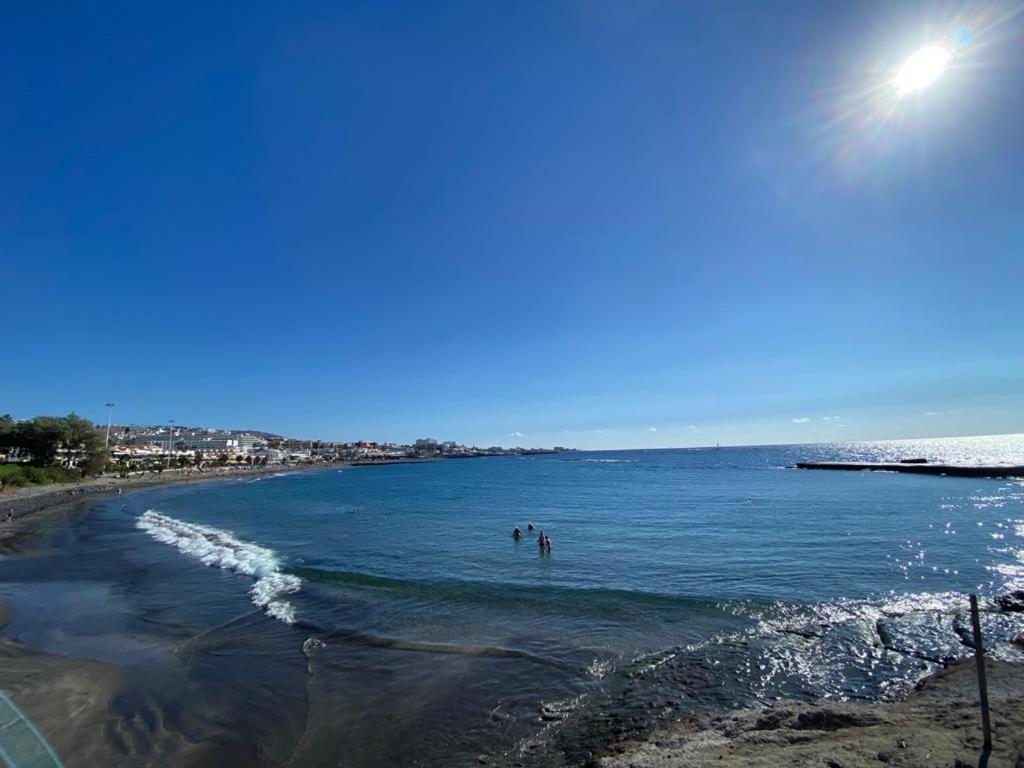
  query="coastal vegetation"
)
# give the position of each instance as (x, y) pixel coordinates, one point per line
(49, 449)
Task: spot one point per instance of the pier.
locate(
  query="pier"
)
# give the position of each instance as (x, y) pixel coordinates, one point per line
(918, 467)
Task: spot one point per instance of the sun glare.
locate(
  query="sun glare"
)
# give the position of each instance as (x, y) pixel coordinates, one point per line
(921, 69)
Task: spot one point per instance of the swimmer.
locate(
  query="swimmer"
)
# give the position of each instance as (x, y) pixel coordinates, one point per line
(529, 526)
(540, 540)
(517, 534)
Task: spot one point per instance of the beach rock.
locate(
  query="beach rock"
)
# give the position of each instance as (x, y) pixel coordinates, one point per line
(1011, 603)
(832, 719)
(936, 724)
(773, 718)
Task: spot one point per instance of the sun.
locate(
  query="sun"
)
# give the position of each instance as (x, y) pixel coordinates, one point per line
(922, 69)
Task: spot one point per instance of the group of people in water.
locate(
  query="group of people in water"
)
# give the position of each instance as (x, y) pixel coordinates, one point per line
(543, 540)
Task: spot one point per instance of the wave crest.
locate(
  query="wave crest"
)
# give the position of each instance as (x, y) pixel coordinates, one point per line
(221, 549)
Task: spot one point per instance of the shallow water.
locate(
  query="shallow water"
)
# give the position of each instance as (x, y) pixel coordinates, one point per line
(386, 615)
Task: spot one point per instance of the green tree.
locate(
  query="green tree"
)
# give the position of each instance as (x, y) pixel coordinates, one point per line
(83, 438)
(94, 463)
(44, 436)
(41, 437)
(7, 432)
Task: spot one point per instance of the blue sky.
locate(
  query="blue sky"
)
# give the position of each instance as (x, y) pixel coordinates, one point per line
(588, 223)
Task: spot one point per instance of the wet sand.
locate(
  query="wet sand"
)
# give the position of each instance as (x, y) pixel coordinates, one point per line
(938, 724)
(73, 702)
(69, 700)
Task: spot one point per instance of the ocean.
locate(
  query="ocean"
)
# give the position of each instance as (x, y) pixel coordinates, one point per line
(385, 615)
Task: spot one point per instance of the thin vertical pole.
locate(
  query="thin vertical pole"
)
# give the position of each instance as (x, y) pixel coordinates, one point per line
(110, 412)
(979, 655)
(170, 437)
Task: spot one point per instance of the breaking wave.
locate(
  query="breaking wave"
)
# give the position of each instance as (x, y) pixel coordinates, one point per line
(220, 549)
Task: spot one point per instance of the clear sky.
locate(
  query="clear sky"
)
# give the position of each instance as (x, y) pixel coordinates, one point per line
(599, 224)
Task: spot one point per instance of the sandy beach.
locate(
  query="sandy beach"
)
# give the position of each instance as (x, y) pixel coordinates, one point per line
(938, 724)
(68, 699)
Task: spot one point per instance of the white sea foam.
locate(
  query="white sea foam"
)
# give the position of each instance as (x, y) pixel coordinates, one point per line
(220, 549)
(271, 477)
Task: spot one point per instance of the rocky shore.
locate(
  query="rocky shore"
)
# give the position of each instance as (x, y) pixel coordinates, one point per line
(937, 724)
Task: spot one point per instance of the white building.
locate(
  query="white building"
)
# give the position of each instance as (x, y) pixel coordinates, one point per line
(206, 441)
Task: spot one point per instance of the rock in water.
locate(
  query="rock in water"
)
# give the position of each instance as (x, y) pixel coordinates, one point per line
(1011, 603)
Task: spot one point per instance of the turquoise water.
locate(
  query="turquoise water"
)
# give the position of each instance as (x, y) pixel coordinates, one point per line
(386, 614)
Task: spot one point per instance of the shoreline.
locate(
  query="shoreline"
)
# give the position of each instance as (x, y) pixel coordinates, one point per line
(816, 731)
(69, 699)
(33, 500)
(43, 503)
(937, 723)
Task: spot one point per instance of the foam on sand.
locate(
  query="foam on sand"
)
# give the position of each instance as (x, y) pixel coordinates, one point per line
(220, 549)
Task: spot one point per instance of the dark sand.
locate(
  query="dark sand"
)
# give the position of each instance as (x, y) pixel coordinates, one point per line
(67, 699)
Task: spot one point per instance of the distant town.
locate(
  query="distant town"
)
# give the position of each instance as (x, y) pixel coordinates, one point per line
(132, 443)
(65, 449)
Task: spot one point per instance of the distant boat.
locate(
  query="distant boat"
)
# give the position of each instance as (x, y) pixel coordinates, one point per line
(718, 445)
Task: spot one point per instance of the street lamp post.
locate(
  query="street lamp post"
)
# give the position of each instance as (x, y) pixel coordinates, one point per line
(170, 437)
(110, 410)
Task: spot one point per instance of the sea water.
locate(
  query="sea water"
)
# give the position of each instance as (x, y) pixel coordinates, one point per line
(386, 615)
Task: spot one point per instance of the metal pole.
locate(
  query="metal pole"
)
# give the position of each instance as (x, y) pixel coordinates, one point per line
(979, 655)
(110, 408)
(170, 437)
